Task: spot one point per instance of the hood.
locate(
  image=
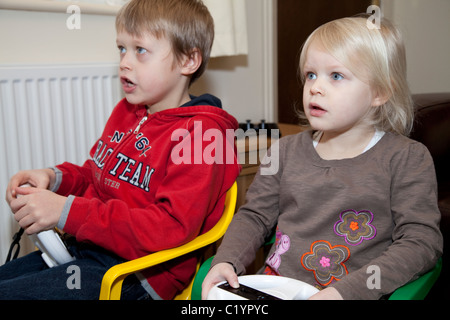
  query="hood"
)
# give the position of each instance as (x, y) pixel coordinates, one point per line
(204, 105)
(204, 100)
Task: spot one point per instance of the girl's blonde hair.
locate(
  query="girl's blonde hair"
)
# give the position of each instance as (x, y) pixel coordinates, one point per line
(376, 56)
(187, 24)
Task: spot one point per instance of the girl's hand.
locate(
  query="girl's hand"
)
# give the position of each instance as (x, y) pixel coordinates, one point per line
(220, 272)
(329, 293)
(42, 179)
(37, 209)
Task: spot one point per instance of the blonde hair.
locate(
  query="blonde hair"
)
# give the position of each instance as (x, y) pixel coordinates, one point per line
(376, 56)
(187, 24)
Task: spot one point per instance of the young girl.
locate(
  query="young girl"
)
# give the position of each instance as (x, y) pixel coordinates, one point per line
(353, 194)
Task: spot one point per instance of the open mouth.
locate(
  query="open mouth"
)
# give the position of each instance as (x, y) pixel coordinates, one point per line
(128, 86)
(127, 82)
(316, 110)
(314, 106)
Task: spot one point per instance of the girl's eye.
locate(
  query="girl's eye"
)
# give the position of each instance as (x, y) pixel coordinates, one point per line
(141, 50)
(337, 76)
(311, 76)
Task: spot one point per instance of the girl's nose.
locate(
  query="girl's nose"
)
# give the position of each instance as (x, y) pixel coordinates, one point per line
(317, 88)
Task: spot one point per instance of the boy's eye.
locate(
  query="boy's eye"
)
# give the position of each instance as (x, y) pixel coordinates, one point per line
(311, 76)
(337, 76)
(122, 49)
(140, 50)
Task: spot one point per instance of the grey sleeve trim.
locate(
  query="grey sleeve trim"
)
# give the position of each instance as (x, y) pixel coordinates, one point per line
(65, 212)
(58, 180)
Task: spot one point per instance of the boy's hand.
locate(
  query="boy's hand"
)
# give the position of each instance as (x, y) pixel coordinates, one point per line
(37, 209)
(219, 273)
(43, 179)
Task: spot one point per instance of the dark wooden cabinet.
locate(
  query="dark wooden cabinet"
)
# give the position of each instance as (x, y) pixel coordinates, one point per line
(297, 19)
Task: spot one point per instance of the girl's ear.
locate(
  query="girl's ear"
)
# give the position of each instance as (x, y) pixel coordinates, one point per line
(379, 99)
(191, 62)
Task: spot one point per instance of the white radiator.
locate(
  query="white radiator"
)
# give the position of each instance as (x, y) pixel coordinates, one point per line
(48, 115)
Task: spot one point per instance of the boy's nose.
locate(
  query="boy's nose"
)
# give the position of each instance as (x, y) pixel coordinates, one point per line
(125, 63)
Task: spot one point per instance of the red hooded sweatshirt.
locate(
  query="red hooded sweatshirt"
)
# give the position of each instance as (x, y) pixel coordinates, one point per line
(154, 181)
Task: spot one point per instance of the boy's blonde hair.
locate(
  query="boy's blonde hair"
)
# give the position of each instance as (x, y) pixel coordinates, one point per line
(187, 24)
(375, 56)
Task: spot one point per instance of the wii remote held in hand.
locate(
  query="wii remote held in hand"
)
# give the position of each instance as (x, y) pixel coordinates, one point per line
(54, 251)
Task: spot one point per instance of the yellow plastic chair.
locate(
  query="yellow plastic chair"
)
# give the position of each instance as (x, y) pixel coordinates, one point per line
(111, 287)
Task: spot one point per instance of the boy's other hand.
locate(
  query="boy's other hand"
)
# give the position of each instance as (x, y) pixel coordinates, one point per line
(37, 209)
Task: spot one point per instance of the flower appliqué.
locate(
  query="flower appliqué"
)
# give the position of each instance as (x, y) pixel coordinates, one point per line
(282, 245)
(326, 261)
(355, 226)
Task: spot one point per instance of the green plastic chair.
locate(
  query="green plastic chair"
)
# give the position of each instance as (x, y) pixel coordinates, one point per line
(419, 288)
(415, 290)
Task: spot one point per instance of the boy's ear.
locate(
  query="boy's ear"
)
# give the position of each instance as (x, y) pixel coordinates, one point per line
(192, 62)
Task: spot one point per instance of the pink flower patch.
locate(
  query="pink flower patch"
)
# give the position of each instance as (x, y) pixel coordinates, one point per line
(326, 261)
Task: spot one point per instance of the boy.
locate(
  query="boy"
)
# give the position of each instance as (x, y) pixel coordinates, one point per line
(134, 196)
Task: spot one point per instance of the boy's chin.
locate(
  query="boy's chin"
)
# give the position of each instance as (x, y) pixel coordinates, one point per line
(134, 100)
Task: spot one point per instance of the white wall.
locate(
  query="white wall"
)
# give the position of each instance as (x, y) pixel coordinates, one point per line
(425, 25)
(42, 37)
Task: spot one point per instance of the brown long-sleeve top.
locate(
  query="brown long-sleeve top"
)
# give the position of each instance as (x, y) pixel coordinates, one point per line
(365, 225)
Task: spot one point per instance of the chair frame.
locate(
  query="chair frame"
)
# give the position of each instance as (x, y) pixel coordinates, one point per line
(111, 286)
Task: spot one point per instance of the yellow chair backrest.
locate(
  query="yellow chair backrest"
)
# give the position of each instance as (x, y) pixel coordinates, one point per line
(112, 280)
